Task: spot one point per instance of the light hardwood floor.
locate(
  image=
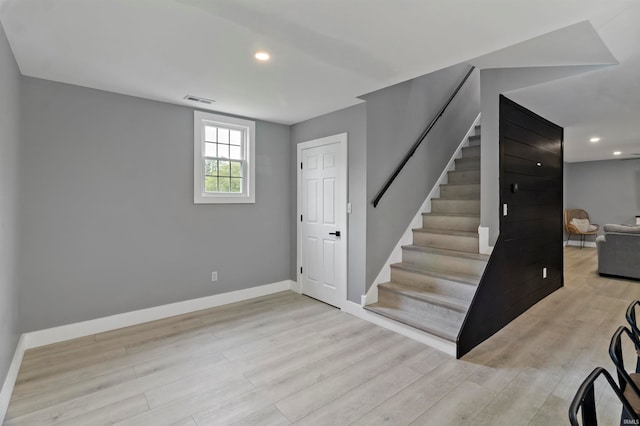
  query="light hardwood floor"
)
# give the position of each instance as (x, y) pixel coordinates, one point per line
(286, 359)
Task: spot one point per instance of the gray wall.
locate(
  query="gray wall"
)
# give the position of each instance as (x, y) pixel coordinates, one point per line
(108, 219)
(608, 190)
(396, 116)
(9, 138)
(352, 121)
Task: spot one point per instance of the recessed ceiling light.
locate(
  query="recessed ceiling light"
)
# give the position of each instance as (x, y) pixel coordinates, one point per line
(594, 140)
(617, 152)
(263, 56)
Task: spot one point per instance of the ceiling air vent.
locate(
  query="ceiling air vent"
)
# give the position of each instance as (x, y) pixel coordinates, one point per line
(197, 99)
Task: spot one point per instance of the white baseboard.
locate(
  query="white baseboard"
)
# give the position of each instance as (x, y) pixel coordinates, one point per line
(127, 319)
(295, 286)
(483, 240)
(12, 375)
(410, 332)
(572, 243)
(99, 325)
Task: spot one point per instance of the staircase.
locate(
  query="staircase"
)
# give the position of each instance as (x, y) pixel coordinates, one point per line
(432, 288)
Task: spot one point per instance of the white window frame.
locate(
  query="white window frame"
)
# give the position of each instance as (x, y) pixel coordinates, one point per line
(248, 195)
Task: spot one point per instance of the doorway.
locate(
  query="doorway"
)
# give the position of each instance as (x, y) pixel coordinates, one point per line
(322, 219)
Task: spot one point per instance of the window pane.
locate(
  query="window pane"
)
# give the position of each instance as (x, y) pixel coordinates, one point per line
(236, 185)
(223, 151)
(211, 167)
(223, 135)
(210, 184)
(236, 169)
(236, 137)
(224, 168)
(236, 153)
(223, 184)
(210, 133)
(210, 150)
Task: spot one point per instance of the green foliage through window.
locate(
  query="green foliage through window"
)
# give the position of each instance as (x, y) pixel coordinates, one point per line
(222, 176)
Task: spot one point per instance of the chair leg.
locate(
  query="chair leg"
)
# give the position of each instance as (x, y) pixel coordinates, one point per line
(568, 238)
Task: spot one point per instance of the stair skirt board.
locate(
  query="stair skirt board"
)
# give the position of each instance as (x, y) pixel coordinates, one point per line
(430, 278)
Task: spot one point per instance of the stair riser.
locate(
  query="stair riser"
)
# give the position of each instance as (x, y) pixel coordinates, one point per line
(464, 177)
(436, 285)
(419, 307)
(455, 206)
(452, 223)
(460, 192)
(450, 242)
(474, 140)
(444, 263)
(471, 151)
(467, 164)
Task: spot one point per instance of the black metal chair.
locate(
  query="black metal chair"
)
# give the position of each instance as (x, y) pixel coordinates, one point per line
(631, 319)
(629, 382)
(584, 402)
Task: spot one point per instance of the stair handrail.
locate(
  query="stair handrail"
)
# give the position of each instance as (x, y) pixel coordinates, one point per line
(419, 141)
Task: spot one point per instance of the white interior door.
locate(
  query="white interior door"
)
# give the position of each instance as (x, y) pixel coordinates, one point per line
(322, 233)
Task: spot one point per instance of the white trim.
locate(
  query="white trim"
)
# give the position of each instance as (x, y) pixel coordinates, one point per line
(10, 379)
(573, 243)
(127, 319)
(407, 237)
(295, 286)
(48, 336)
(249, 170)
(483, 240)
(342, 140)
(410, 332)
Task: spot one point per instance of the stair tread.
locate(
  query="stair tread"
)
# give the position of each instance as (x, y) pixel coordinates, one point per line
(447, 252)
(448, 302)
(470, 234)
(460, 184)
(456, 200)
(444, 329)
(451, 214)
(438, 273)
(464, 170)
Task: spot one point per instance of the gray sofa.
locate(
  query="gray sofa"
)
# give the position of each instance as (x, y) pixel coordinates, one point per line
(619, 251)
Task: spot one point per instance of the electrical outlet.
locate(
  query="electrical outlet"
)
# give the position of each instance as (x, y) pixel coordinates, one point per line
(214, 276)
(544, 272)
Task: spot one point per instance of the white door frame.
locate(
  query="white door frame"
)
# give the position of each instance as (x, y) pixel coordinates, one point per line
(342, 141)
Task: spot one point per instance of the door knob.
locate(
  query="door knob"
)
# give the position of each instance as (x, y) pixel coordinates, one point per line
(337, 233)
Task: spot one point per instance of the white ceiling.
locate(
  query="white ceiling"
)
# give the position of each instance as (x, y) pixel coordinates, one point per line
(327, 53)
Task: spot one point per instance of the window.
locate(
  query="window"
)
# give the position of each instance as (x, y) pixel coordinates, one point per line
(224, 159)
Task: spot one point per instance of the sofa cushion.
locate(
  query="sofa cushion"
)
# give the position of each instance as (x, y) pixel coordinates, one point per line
(622, 229)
